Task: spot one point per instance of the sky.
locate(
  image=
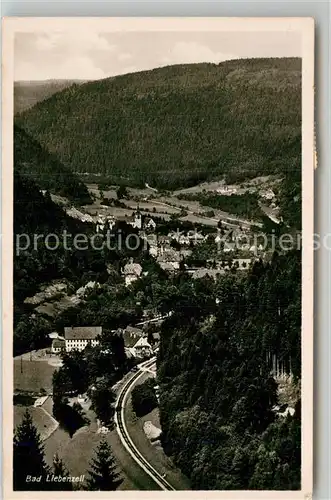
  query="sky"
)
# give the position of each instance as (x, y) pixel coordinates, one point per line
(96, 55)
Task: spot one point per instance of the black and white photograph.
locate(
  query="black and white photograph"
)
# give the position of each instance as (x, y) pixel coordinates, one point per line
(161, 208)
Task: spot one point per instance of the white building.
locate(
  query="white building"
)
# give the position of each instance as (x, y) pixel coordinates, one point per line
(79, 337)
(104, 221)
(227, 190)
(137, 220)
(136, 343)
(268, 194)
(58, 345)
(150, 224)
(132, 272)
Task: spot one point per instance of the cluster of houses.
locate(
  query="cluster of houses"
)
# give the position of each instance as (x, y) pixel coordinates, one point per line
(227, 190)
(135, 220)
(268, 194)
(77, 338)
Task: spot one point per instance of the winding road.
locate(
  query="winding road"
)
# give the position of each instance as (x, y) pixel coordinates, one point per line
(123, 432)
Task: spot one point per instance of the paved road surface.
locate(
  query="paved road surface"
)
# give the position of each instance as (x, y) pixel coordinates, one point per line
(124, 435)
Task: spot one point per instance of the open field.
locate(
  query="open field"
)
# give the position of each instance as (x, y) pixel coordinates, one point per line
(251, 185)
(151, 205)
(43, 421)
(78, 451)
(157, 204)
(165, 207)
(111, 192)
(33, 375)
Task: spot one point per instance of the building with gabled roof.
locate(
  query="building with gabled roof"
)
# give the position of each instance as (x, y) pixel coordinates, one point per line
(136, 343)
(79, 337)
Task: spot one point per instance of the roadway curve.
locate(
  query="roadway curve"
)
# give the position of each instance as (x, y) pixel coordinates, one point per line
(123, 432)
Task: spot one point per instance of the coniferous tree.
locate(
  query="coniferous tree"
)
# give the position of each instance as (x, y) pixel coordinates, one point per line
(103, 474)
(60, 470)
(29, 457)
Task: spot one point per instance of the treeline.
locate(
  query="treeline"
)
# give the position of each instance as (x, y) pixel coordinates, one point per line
(290, 199)
(217, 389)
(34, 264)
(244, 205)
(143, 398)
(27, 94)
(35, 163)
(178, 125)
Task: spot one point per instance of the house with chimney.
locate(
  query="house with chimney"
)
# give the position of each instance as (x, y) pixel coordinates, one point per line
(79, 337)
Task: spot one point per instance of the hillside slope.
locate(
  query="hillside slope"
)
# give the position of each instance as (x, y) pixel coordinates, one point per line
(178, 125)
(37, 164)
(27, 94)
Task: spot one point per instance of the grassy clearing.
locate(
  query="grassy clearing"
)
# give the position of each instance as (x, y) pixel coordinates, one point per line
(32, 376)
(78, 451)
(43, 422)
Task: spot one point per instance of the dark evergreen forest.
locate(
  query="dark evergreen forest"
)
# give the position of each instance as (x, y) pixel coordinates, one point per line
(178, 125)
(216, 381)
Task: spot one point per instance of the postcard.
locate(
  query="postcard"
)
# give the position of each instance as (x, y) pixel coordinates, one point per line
(157, 260)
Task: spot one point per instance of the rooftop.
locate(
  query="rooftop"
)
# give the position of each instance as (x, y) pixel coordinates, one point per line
(133, 268)
(131, 335)
(142, 342)
(82, 332)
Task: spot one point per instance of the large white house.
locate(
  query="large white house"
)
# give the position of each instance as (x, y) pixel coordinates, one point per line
(79, 337)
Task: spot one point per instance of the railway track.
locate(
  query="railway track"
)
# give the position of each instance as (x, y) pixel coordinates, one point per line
(125, 437)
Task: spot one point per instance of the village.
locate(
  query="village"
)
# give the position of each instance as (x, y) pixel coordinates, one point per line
(195, 243)
(199, 250)
(157, 322)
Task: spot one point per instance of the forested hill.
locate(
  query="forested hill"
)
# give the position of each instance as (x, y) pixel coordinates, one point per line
(36, 214)
(34, 264)
(178, 125)
(34, 162)
(28, 93)
(216, 389)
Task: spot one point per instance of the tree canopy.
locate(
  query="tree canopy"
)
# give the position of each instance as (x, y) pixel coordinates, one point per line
(103, 473)
(216, 370)
(178, 125)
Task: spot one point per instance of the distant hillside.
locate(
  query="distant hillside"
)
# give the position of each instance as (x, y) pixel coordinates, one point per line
(37, 164)
(28, 93)
(178, 125)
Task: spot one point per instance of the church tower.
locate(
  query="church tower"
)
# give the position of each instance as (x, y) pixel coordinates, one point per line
(137, 219)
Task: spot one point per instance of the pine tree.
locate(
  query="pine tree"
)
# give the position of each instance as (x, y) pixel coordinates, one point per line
(104, 476)
(59, 469)
(29, 457)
